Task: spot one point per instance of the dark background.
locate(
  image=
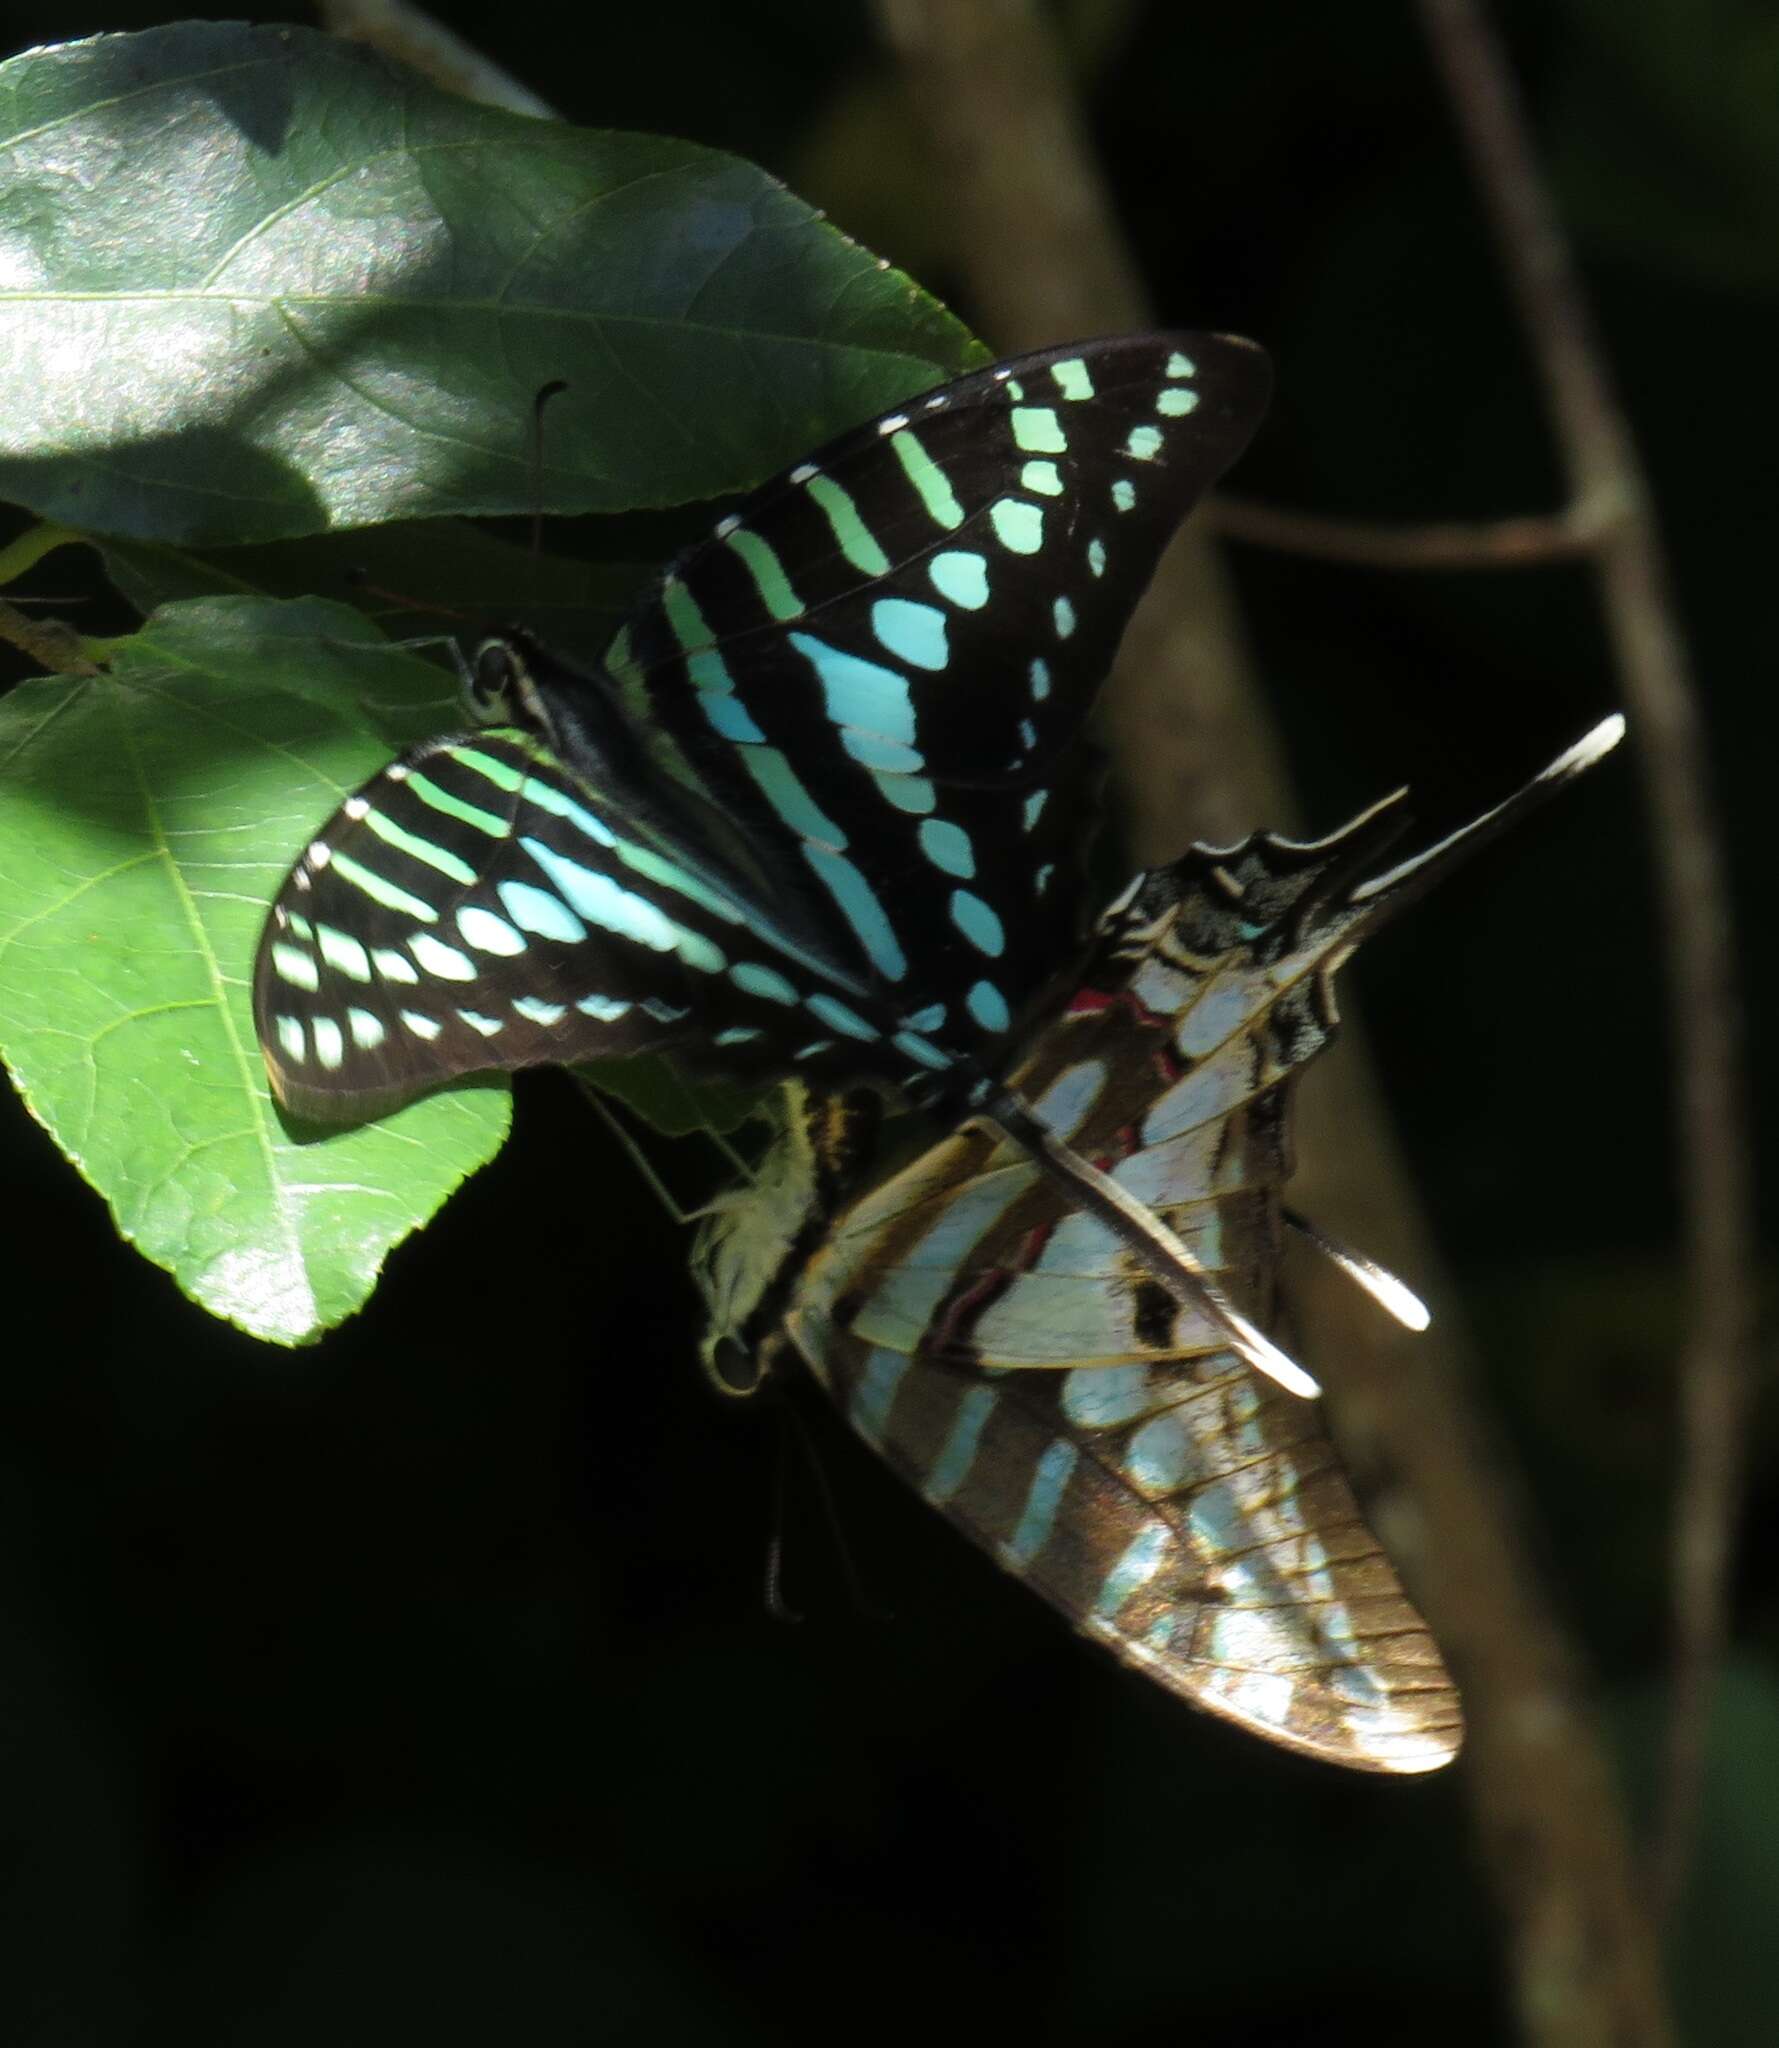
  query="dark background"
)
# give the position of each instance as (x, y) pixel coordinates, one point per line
(417, 1687)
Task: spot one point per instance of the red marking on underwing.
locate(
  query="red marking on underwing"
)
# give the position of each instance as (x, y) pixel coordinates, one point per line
(1092, 1001)
(1168, 1063)
(1031, 1248)
(950, 1329)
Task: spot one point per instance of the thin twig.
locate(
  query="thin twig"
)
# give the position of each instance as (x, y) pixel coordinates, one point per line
(1371, 544)
(1652, 661)
(1046, 261)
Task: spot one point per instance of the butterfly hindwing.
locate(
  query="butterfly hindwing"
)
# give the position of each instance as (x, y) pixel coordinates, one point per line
(1014, 1362)
(1189, 1517)
(472, 908)
(1098, 1439)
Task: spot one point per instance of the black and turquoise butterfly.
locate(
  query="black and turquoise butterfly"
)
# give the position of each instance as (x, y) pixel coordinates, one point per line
(818, 810)
(1015, 1364)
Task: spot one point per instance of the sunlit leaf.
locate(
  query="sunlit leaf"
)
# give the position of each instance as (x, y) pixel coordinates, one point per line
(256, 283)
(146, 815)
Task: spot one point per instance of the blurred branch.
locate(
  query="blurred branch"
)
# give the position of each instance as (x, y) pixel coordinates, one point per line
(1037, 239)
(1705, 1013)
(1031, 224)
(1373, 544)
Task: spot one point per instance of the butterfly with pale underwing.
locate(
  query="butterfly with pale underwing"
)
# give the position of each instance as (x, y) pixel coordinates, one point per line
(1014, 1362)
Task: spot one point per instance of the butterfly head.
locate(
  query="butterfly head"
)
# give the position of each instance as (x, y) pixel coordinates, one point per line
(500, 682)
(749, 1246)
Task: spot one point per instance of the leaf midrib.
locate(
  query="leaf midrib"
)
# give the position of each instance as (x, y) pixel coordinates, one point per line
(292, 1240)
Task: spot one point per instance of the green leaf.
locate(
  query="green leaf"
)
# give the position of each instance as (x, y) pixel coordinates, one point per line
(654, 1089)
(1721, 1951)
(262, 283)
(1666, 147)
(146, 817)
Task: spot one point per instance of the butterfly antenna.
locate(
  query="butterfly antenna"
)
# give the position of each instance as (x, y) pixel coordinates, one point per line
(1157, 1249)
(1395, 1297)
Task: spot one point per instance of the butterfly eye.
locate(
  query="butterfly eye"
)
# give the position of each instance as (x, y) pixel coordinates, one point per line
(493, 682)
(733, 1367)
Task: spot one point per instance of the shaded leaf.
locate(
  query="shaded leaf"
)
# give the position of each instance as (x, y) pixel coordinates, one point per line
(664, 1098)
(413, 578)
(146, 816)
(1726, 1970)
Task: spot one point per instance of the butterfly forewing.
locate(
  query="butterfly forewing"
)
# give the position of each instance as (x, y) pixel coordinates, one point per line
(825, 814)
(1174, 1505)
(879, 666)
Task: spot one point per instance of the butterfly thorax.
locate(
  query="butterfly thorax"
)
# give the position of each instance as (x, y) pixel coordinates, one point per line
(756, 1239)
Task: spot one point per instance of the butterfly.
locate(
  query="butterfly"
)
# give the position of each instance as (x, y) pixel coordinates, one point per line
(819, 809)
(1010, 1358)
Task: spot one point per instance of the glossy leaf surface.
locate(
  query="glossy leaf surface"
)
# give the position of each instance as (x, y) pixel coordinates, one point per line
(258, 282)
(145, 815)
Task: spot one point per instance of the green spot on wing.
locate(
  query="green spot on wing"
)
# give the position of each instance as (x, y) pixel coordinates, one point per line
(502, 773)
(428, 851)
(767, 571)
(453, 806)
(857, 542)
(1038, 431)
(927, 478)
(381, 890)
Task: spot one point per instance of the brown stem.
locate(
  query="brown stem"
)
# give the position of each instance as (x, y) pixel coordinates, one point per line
(1031, 222)
(1045, 260)
(1704, 1006)
(51, 643)
(1370, 544)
